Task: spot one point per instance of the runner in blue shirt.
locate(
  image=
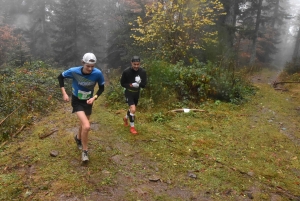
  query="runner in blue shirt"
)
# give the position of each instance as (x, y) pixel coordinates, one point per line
(84, 79)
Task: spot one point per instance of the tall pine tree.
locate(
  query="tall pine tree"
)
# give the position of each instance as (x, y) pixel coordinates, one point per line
(39, 43)
(75, 31)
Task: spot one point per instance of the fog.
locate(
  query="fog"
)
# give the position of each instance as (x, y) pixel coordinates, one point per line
(289, 33)
(22, 22)
(110, 23)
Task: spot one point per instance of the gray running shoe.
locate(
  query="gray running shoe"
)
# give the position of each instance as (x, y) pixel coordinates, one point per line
(85, 156)
(78, 142)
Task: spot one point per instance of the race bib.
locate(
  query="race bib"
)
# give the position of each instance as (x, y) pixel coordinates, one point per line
(84, 95)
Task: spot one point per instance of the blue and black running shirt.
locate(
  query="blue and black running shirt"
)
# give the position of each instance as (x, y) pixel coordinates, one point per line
(83, 84)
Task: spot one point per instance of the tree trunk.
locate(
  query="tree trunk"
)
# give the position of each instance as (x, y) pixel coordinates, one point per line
(275, 13)
(297, 45)
(230, 21)
(76, 50)
(255, 35)
(44, 34)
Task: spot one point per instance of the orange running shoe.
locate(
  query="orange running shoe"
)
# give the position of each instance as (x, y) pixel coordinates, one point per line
(133, 131)
(125, 121)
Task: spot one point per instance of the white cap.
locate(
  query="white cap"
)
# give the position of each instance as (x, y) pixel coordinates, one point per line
(89, 58)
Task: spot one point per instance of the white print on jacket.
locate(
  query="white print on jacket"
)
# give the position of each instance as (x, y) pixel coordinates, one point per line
(138, 79)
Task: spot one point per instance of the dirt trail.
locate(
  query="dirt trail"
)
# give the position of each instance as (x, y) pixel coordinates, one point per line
(261, 78)
(273, 76)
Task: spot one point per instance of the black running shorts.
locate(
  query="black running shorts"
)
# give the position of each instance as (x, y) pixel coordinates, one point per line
(132, 98)
(81, 105)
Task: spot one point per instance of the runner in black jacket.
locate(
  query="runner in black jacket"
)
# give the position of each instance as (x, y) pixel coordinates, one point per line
(133, 78)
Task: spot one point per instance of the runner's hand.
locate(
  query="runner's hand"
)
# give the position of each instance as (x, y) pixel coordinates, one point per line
(66, 97)
(90, 101)
(135, 85)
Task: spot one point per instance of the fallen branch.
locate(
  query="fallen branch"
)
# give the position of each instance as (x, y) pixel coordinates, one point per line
(10, 114)
(48, 134)
(4, 143)
(280, 89)
(120, 111)
(275, 83)
(187, 110)
(13, 135)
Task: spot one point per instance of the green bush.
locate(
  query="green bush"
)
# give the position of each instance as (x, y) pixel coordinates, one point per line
(179, 85)
(201, 81)
(191, 82)
(230, 86)
(114, 91)
(160, 87)
(26, 92)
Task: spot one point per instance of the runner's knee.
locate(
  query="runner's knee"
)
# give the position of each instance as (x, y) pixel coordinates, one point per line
(86, 127)
(132, 109)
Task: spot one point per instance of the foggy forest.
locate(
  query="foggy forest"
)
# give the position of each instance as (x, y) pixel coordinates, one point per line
(260, 32)
(218, 118)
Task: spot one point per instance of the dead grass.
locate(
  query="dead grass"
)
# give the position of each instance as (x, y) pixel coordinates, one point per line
(229, 153)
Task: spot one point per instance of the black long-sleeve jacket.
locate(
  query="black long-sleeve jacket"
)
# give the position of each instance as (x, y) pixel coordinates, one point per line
(128, 77)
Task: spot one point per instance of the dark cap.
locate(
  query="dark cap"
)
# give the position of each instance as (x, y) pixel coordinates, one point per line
(135, 59)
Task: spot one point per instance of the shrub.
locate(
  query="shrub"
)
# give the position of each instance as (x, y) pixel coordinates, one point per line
(161, 79)
(159, 88)
(114, 91)
(26, 92)
(179, 85)
(201, 81)
(191, 82)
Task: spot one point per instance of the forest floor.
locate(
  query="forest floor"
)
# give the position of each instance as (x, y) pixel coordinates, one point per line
(248, 152)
